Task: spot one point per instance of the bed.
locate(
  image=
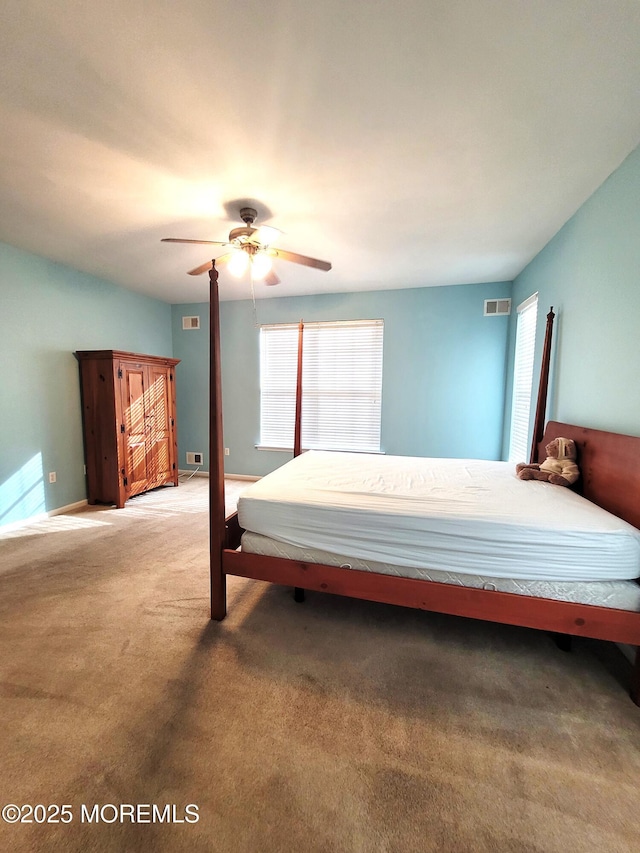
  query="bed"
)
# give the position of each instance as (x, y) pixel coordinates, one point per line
(329, 523)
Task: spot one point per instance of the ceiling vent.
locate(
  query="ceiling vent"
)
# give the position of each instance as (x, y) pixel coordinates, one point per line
(190, 323)
(497, 307)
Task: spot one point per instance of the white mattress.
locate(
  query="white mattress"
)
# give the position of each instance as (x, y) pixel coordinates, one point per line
(464, 516)
(621, 595)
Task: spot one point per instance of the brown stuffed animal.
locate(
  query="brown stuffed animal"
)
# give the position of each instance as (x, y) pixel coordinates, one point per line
(558, 468)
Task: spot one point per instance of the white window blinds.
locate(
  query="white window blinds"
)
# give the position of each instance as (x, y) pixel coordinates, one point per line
(341, 385)
(523, 379)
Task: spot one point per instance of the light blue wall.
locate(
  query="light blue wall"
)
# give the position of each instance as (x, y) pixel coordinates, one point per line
(590, 273)
(192, 388)
(443, 371)
(48, 311)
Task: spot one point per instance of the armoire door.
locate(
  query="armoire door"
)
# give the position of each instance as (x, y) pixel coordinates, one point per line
(159, 426)
(148, 433)
(135, 392)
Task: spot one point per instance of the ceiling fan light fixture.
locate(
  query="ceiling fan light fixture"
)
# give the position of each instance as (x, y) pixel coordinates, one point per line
(266, 234)
(261, 265)
(251, 247)
(238, 264)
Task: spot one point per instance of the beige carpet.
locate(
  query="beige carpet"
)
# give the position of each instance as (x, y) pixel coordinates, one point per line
(334, 725)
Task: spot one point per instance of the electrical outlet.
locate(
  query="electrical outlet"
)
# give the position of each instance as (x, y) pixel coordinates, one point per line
(226, 451)
(52, 477)
(194, 458)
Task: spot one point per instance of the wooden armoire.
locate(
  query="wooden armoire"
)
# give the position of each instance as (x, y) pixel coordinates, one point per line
(129, 423)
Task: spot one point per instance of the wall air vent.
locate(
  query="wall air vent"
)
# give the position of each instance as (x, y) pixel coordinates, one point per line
(497, 307)
(190, 323)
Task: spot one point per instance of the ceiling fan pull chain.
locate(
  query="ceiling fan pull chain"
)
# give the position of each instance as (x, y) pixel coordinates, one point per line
(253, 299)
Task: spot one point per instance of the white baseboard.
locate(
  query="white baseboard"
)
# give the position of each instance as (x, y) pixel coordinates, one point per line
(250, 477)
(41, 516)
(68, 508)
(241, 477)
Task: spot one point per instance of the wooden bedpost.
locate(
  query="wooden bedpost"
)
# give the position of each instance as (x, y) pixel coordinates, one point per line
(635, 678)
(298, 592)
(216, 458)
(541, 407)
(297, 431)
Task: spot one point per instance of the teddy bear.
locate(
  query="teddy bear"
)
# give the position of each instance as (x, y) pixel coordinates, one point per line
(559, 467)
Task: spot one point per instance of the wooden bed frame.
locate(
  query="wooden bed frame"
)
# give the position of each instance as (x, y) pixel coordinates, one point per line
(610, 478)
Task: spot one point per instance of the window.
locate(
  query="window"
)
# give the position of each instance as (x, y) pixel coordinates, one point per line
(341, 385)
(523, 379)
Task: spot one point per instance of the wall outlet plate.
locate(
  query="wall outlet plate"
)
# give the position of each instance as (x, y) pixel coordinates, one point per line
(194, 458)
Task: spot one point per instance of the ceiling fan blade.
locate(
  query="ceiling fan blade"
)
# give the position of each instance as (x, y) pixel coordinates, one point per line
(271, 278)
(207, 265)
(301, 259)
(202, 268)
(182, 240)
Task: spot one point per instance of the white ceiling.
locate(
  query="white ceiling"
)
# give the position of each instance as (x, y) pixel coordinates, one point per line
(409, 142)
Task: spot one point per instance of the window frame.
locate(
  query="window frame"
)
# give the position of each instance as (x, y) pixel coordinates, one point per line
(326, 387)
(522, 390)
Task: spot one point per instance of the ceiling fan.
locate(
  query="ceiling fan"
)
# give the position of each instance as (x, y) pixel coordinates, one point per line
(251, 247)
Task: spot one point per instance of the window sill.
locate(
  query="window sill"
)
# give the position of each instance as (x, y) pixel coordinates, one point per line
(304, 449)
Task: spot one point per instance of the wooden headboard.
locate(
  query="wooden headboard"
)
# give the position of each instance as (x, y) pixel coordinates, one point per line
(609, 466)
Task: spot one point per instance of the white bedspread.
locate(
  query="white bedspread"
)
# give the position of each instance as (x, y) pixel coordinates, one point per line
(455, 515)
